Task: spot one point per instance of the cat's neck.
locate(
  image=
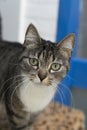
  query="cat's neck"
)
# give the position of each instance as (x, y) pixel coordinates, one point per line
(34, 97)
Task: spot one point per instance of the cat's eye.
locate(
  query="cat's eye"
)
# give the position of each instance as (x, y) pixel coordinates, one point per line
(55, 66)
(33, 61)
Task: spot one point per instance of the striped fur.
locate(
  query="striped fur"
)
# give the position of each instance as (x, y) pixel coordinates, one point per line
(26, 88)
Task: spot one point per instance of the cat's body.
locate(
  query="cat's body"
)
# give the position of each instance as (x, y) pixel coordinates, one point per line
(8, 51)
(29, 75)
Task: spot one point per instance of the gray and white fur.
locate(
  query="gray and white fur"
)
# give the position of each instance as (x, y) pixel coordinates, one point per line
(29, 75)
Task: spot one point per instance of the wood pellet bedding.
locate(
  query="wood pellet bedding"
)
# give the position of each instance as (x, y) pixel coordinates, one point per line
(54, 117)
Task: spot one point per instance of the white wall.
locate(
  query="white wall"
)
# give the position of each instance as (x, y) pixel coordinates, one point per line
(10, 12)
(18, 14)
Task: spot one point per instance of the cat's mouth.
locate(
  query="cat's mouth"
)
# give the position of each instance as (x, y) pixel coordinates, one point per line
(44, 82)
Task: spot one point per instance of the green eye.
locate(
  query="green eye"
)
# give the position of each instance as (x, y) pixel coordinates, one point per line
(55, 66)
(33, 61)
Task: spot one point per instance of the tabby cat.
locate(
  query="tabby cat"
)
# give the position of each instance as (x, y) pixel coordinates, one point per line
(29, 75)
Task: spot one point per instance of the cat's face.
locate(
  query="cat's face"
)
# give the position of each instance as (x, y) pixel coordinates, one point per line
(46, 63)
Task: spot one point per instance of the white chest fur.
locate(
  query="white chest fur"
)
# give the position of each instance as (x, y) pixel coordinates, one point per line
(36, 97)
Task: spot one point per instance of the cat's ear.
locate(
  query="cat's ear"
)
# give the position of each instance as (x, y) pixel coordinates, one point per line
(32, 36)
(67, 44)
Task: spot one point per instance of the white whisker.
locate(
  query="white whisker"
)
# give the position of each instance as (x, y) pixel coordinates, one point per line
(67, 75)
(17, 76)
(8, 88)
(19, 85)
(62, 93)
(71, 96)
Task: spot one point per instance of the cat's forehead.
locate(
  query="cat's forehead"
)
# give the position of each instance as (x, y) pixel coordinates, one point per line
(45, 48)
(42, 53)
(47, 52)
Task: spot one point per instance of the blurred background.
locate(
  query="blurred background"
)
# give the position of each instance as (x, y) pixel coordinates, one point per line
(17, 15)
(54, 19)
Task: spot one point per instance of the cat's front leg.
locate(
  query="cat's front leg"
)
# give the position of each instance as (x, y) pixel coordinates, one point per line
(20, 123)
(21, 120)
(22, 128)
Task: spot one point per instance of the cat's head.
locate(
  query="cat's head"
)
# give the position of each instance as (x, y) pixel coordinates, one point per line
(46, 62)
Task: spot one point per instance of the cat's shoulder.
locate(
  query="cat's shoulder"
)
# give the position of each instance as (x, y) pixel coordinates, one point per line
(10, 43)
(11, 47)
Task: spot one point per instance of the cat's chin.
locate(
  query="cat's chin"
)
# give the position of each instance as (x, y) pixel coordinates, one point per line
(40, 84)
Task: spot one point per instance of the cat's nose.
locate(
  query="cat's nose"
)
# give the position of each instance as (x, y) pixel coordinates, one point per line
(42, 76)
